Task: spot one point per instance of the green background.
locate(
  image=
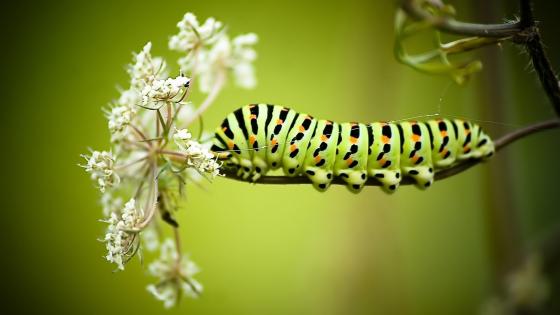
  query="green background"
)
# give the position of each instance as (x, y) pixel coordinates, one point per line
(271, 249)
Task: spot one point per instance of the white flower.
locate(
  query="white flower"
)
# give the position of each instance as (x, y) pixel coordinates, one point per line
(225, 55)
(174, 276)
(198, 156)
(145, 68)
(101, 167)
(119, 117)
(242, 58)
(129, 98)
(164, 90)
(182, 135)
(192, 35)
(120, 242)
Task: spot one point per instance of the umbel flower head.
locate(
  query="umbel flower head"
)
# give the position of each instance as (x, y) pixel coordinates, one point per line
(101, 167)
(212, 55)
(121, 239)
(157, 155)
(175, 276)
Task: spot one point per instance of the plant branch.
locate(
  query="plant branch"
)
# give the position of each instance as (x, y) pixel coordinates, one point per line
(499, 143)
(531, 38)
(446, 24)
(524, 32)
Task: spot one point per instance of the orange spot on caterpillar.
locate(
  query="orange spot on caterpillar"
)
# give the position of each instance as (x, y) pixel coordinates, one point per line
(318, 159)
(279, 121)
(324, 138)
(466, 148)
(230, 145)
(443, 133)
(252, 139)
(385, 139)
(301, 128)
(273, 142)
(415, 158)
(415, 138)
(224, 128)
(382, 161)
(444, 152)
(349, 161)
(353, 139)
(293, 147)
(253, 117)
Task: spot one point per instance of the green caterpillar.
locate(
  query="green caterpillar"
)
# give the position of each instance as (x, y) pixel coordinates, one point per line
(257, 138)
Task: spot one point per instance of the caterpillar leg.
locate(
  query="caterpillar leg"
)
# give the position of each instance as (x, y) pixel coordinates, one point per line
(389, 179)
(245, 168)
(423, 175)
(320, 178)
(260, 168)
(355, 180)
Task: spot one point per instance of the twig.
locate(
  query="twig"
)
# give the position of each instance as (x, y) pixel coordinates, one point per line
(524, 31)
(413, 9)
(499, 143)
(531, 38)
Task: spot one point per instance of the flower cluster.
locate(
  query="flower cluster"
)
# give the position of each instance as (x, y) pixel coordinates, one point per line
(210, 54)
(119, 117)
(192, 35)
(101, 167)
(145, 68)
(121, 239)
(164, 90)
(155, 158)
(175, 276)
(197, 156)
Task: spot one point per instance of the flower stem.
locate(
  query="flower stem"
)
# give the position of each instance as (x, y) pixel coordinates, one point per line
(209, 99)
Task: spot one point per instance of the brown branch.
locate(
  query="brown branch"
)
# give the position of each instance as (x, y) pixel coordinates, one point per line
(531, 38)
(499, 143)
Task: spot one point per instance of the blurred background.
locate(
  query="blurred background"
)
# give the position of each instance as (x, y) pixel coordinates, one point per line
(272, 249)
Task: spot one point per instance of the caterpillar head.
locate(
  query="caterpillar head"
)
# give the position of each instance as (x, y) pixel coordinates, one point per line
(485, 146)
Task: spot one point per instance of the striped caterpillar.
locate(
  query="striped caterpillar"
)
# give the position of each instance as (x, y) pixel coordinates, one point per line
(257, 138)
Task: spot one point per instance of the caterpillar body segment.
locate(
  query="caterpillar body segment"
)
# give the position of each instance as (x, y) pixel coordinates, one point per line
(351, 159)
(385, 155)
(321, 154)
(277, 132)
(260, 137)
(297, 143)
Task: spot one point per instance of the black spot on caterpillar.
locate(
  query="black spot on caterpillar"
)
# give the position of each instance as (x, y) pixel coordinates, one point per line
(304, 146)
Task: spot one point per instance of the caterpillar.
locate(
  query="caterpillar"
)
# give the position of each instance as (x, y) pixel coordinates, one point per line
(259, 137)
